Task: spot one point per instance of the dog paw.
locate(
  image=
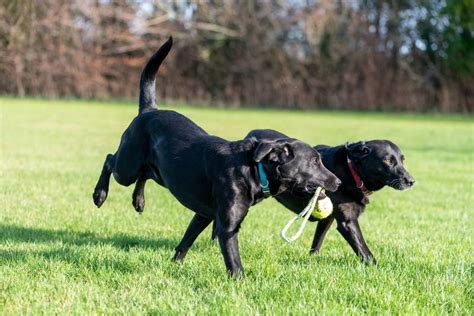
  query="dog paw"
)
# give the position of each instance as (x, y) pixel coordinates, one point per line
(373, 262)
(139, 203)
(370, 261)
(99, 197)
(214, 235)
(179, 255)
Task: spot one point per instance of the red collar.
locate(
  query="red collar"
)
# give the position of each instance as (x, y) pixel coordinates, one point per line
(359, 183)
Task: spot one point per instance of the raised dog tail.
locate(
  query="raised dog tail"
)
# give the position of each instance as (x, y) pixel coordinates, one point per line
(147, 98)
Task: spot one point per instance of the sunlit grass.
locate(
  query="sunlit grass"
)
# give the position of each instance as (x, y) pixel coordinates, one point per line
(60, 254)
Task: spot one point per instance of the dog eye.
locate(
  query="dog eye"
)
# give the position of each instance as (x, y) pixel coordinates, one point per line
(388, 161)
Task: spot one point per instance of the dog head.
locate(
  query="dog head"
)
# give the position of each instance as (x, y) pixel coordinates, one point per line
(380, 163)
(294, 165)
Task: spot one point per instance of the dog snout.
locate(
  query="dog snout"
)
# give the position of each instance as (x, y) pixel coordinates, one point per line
(333, 184)
(409, 180)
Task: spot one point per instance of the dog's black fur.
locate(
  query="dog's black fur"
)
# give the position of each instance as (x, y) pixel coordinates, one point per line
(379, 163)
(215, 178)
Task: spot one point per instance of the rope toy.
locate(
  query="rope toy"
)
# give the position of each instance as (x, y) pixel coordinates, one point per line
(318, 208)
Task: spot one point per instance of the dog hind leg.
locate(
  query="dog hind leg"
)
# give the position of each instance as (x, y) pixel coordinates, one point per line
(102, 187)
(138, 196)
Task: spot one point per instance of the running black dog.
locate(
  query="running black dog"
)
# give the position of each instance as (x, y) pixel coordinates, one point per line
(363, 167)
(215, 178)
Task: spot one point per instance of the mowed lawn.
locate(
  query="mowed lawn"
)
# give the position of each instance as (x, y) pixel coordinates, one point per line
(60, 254)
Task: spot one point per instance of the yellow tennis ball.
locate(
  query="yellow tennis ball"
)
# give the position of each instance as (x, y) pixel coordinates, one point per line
(323, 208)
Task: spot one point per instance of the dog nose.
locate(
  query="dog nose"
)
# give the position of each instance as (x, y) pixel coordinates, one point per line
(409, 180)
(338, 182)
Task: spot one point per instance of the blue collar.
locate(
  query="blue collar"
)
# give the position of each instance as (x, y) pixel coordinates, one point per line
(263, 180)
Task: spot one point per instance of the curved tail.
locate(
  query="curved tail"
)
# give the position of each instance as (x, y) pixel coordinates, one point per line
(147, 98)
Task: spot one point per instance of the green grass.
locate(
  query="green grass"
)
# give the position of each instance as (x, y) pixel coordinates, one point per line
(60, 254)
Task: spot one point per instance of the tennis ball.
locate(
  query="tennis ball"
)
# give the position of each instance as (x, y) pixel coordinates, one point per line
(323, 208)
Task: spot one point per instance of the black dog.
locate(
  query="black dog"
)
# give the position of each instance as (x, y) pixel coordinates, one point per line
(215, 178)
(363, 168)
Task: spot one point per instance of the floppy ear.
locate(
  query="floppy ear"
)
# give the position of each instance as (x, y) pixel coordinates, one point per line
(272, 149)
(358, 150)
(263, 149)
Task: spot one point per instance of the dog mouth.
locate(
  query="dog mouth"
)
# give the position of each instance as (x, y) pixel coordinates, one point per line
(311, 189)
(399, 184)
(322, 195)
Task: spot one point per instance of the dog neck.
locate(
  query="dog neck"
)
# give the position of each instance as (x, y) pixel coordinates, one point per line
(365, 184)
(340, 167)
(250, 172)
(264, 184)
(273, 186)
(357, 179)
(358, 182)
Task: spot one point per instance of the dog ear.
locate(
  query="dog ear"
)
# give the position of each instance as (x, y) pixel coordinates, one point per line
(358, 150)
(275, 151)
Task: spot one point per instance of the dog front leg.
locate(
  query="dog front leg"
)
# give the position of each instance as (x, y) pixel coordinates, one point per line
(214, 231)
(228, 225)
(102, 187)
(229, 243)
(320, 233)
(351, 232)
(195, 228)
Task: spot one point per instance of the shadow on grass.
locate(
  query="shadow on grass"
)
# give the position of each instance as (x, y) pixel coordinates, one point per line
(74, 248)
(70, 237)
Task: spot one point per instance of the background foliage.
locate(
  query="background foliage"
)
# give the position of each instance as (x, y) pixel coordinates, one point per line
(411, 55)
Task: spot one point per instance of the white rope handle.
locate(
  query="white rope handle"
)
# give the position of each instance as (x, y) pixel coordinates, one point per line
(305, 214)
